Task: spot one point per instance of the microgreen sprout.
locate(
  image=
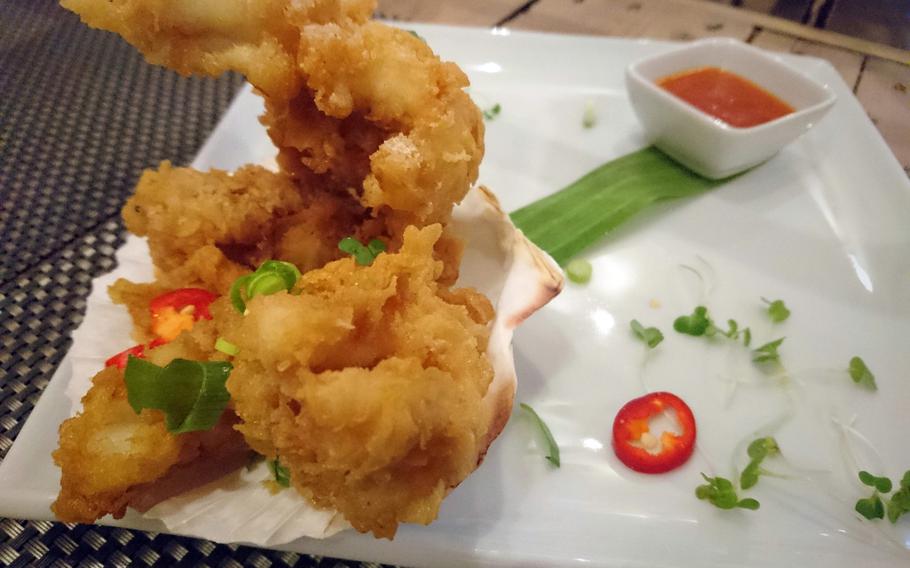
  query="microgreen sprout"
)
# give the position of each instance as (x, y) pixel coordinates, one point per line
(767, 353)
(650, 335)
(492, 112)
(777, 310)
(861, 374)
(873, 507)
(720, 492)
(579, 271)
(364, 255)
(758, 450)
(696, 324)
(552, 446)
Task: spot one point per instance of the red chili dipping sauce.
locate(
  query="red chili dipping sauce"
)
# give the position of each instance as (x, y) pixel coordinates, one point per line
(733, 99)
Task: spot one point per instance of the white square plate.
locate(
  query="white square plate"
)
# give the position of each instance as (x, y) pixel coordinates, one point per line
(823, 225)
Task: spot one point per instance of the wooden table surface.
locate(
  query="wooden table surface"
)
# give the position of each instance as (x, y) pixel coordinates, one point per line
(879, 74)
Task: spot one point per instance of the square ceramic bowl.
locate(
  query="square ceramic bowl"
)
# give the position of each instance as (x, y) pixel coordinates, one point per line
(706, 144)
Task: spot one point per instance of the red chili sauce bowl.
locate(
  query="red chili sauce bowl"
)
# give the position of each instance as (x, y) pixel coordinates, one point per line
(720, 106)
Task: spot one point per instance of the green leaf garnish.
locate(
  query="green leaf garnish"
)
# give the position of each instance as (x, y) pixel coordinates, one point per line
(861, 374)
(579, 271)
(553, 448)
(777, 310)
(271, 276)
(570, 220)
(280, 474)
(364, 255)
(758, 450)
(226, 347)
(747, 337)
(492, 112)
(767, 352)
(874, 507)
(881, 484)
(720, 492)
(696, 324)
(191, 394)
(870, 507)
(650, 335)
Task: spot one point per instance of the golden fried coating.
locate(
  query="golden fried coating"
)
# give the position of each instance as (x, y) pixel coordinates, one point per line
(354, 104)
(111, 458)
(107, 449)
(367, 384)
(207, 228)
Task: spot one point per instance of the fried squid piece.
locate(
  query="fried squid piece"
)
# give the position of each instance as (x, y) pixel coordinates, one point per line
(207, 228)
(112, 458)
(357, 107)
(367, 384)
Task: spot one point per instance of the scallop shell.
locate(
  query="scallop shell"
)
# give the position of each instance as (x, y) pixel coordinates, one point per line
(499, 261)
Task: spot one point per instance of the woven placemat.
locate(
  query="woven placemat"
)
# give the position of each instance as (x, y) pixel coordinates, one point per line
(81, 115)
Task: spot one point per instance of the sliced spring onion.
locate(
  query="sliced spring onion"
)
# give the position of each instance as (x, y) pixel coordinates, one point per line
(191, 394)
(271, 276)
(553, 448)
(492, 112)
(226, 347)
(568, 221)
(364, 255)
(579, 271)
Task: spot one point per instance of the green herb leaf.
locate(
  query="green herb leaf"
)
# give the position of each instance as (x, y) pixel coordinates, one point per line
(747, 337)
(191, 394)
(758, 450)
(749, 503)
(363, 255)
(650, 335)
(720, 492)
(579, 271)
(280, 474)
(861, 374)
(226, 347)
(696, 324)
(750, 475)
(763, 447)
(777, 310)
(767, 352)
(882, 484)
(870, 508)
(271, 276)
(899, 504)
(492, 112)
(570, 220)
(553, 448)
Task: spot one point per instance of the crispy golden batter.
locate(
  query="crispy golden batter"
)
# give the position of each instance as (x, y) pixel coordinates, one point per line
(354, 104)
(111, 458)
(367, 384)
(108, 449)
(207, 228)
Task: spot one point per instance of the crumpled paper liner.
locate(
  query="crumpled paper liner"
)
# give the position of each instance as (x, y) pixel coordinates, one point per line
(499, 261)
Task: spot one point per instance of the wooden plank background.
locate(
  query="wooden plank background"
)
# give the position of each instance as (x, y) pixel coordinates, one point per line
(878, 74)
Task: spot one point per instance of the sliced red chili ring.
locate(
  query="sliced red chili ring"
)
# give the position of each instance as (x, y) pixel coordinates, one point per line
(638, 449)
(183, 297)
(120, 359)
